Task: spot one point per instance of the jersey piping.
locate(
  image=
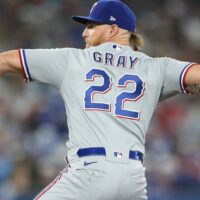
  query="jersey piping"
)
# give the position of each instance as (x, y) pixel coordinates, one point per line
(24, 65)
(182, 78)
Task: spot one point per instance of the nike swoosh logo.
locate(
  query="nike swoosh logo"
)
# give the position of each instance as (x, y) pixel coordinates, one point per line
(89, 163)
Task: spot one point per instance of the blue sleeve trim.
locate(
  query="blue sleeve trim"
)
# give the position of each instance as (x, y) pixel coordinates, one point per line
(182, 78)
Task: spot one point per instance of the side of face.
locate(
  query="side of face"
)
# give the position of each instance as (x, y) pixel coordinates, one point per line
(95, 35)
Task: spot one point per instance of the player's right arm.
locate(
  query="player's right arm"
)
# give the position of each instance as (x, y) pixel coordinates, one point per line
(43, 65)
(10, 62)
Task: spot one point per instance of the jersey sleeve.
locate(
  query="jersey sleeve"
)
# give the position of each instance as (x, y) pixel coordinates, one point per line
(174, 77)
(44, 65)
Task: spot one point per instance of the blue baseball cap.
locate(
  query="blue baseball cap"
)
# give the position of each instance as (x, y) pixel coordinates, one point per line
(110, 12)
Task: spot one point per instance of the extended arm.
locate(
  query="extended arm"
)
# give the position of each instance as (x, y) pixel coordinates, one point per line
(192, 79)
(10, 62)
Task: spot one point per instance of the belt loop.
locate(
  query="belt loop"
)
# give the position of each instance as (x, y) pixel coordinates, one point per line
(136, 155)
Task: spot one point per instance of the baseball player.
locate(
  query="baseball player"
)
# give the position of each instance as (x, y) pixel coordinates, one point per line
(110, 91)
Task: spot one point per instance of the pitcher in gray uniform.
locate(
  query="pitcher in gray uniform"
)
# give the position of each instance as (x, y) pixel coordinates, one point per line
(110, 91)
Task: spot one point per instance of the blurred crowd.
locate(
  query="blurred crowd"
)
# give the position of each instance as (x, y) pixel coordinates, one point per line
(33, 128)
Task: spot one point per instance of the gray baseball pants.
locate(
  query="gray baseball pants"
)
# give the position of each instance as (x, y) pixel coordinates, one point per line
(97, 178)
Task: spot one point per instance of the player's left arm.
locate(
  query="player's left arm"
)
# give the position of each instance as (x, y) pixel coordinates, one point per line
(192, 79)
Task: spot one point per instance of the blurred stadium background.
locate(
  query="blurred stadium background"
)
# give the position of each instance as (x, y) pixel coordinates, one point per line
(33, 127)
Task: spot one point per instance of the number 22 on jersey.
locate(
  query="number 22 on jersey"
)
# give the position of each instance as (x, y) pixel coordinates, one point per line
(121, 98)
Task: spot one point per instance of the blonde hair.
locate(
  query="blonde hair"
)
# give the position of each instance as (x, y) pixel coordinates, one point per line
(136, 41)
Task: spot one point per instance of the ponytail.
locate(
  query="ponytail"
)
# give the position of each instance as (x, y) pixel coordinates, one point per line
(136, 41)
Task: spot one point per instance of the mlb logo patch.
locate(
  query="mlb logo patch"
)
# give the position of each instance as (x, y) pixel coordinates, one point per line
(117, 47)
(118, 154)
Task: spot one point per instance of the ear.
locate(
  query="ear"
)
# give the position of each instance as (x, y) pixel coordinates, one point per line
(113, 30)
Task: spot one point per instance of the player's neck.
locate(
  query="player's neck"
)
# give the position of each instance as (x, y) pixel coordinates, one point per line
(121, 39)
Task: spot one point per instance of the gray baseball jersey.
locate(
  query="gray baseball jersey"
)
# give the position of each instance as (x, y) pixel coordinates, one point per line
(110, 92)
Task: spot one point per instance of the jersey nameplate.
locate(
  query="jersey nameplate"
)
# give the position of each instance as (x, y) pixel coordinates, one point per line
(117, 61)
